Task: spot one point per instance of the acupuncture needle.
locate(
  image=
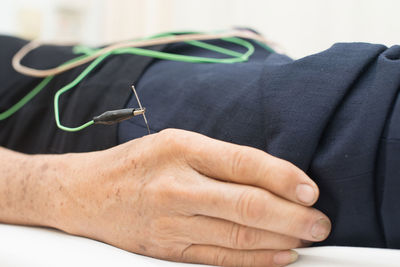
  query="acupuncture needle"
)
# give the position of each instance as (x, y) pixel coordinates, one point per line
(140, 105)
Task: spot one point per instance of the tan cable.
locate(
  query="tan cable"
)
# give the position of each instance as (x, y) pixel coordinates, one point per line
(16, 61)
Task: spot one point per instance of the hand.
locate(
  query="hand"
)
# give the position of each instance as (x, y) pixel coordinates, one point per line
(181, 196)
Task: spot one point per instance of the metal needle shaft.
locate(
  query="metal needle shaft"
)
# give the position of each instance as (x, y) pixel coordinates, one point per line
(140, 105)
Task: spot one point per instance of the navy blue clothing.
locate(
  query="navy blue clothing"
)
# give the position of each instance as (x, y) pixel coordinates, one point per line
(325, 113)
(32, 129)
(336, 115)
(388, 178)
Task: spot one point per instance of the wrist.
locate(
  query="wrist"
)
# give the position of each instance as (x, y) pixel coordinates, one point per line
(54, 197)
(43, 190)
(28, 192)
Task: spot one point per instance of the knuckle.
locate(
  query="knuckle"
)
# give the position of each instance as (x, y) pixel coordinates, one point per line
(243, 237)
(249, 259)
(163, 232)
(220, 258)
(168, 132)
(162, 190)
(170, 139)
(175, 143)
(154, 186)
(173, 137)
(249, 208)
(184, 255)
(172, 253)
(162, 225)
(244, 258)
(234, 235)
(167, 236)
(173, 191)
(249, 238)
(239, 162)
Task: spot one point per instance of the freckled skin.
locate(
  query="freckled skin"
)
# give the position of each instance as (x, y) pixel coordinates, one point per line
(174, 195)
(20, 188)
(44, 167)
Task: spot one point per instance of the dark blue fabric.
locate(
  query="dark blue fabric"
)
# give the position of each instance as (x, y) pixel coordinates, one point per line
(389, 178)
(325, 113)
(33, 129)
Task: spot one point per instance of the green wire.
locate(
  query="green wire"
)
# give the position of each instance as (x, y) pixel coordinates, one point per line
(69, 86)
(17, 106)
(25, 99)
(214, 48)
(150, 53)
(86, 51)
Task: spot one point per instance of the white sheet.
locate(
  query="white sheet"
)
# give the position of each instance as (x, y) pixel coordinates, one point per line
(32, 246)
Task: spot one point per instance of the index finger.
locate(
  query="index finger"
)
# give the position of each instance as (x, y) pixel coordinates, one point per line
(247, 165)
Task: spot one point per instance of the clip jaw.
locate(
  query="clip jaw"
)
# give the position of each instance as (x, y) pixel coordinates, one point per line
(139, 111)
(115, 116)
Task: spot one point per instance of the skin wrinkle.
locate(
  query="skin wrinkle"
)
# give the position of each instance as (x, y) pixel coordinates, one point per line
(118, 195)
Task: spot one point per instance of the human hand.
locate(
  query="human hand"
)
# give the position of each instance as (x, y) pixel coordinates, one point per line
(181, 196)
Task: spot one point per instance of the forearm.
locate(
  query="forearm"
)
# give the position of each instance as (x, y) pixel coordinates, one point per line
(28, 189)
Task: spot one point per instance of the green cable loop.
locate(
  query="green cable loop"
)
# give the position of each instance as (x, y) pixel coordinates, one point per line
(29, 96)
(87, 51)
(151, 53)
(69, 86)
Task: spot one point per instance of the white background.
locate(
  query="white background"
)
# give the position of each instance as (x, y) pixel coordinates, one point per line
(301, 27)
(41, 247)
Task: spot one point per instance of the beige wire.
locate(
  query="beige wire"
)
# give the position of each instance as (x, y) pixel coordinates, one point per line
(16, 61)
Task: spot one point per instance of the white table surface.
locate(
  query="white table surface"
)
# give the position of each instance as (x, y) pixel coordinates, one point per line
(33, 246)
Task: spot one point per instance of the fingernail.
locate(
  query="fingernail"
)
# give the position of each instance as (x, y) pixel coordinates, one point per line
(305, 193)
(285, 257)
(321, 229)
